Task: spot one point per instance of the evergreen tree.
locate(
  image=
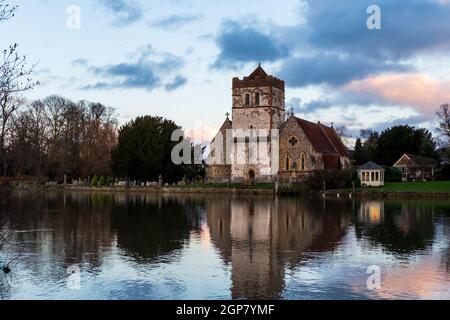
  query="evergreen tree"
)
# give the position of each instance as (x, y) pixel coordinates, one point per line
(144, 150)
(360, 154)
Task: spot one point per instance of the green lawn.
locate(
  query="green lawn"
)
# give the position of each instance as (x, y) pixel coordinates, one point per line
(431, 186)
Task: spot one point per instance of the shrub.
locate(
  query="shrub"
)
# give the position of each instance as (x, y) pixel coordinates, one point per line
(94, 181)
(445, 173)
(102, 181)
(109, 181)
(357, 183)
(392, 174)
(334, 179)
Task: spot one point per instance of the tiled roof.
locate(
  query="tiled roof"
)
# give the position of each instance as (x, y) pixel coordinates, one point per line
(324, 139)
(331, 161)
(227, 125)
(258, 73)
(370, 166)
(422, 161)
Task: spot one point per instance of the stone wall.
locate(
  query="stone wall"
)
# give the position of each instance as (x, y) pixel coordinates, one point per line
(218, 174)
(269, 113)
(290, 133)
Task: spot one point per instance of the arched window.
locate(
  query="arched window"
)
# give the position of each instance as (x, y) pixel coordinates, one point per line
(252, 131)
(247, 99)
(303, 161)
(288, 162)
(257, 98)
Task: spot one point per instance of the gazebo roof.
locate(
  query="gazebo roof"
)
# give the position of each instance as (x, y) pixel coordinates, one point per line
(370, 166)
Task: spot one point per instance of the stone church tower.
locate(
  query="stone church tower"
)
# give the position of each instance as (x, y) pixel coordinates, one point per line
(258, 108)
(258, 101)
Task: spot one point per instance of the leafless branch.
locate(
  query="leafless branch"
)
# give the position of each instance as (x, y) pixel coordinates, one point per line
(6, 10)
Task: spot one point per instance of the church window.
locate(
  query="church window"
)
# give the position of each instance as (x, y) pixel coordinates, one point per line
(293, 141)
(303, 162)
(257, 98)
(287, 163)
(247, 99)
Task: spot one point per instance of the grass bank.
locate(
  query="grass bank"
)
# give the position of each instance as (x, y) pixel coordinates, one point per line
(441, 188)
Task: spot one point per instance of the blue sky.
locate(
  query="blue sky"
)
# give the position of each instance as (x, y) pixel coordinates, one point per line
(176, 58)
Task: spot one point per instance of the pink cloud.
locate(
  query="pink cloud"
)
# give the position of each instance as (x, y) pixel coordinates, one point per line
(202, 133)
(414, 89)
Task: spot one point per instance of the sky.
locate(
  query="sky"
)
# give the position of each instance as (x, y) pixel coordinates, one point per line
(176, 58)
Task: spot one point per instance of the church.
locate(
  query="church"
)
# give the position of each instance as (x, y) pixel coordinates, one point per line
(264, 143)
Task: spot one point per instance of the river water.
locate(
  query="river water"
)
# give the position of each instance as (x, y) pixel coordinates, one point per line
(75, 245)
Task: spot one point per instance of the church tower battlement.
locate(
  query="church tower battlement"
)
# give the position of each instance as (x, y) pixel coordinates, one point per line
(258, 101)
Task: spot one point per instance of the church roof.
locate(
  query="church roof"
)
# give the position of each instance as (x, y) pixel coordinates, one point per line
(227, 125)
(258, 78)
(331, 160)
(324, 139)
(258, 73)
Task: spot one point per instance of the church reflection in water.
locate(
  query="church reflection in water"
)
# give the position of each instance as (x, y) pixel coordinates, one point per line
(262, 237)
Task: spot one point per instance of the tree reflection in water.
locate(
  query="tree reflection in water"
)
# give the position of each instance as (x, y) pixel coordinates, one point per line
(263, 242)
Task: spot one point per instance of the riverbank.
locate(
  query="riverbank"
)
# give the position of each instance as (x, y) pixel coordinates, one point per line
(406, 189)
(168, 190)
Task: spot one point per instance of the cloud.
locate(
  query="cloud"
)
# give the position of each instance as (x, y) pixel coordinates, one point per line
(240, 44)
(146, 70)
(413, 89)
(408, 27)
(333, 69)
(124, 12)
(80, 62)
(174, 21)
(202, 133)
(337, 47)
(356, 117)
(178, 82)
(129, 75)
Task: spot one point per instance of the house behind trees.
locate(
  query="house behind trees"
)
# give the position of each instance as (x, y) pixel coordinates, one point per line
(416, 168)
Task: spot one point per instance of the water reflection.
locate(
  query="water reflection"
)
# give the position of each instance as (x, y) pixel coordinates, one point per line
(149, 227)
(261, 237)
(247, 247)
(408, 226)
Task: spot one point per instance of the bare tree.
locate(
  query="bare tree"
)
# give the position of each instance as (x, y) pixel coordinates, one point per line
(346, 138)
(444, 122)
(14, 80)
(6, 10)
(9, 105)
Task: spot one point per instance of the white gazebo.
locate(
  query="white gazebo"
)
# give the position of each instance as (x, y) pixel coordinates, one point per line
(371, 175)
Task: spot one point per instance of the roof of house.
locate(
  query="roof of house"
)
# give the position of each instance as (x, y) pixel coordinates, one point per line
(418, 161)
(370, 166)
(324, 139)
